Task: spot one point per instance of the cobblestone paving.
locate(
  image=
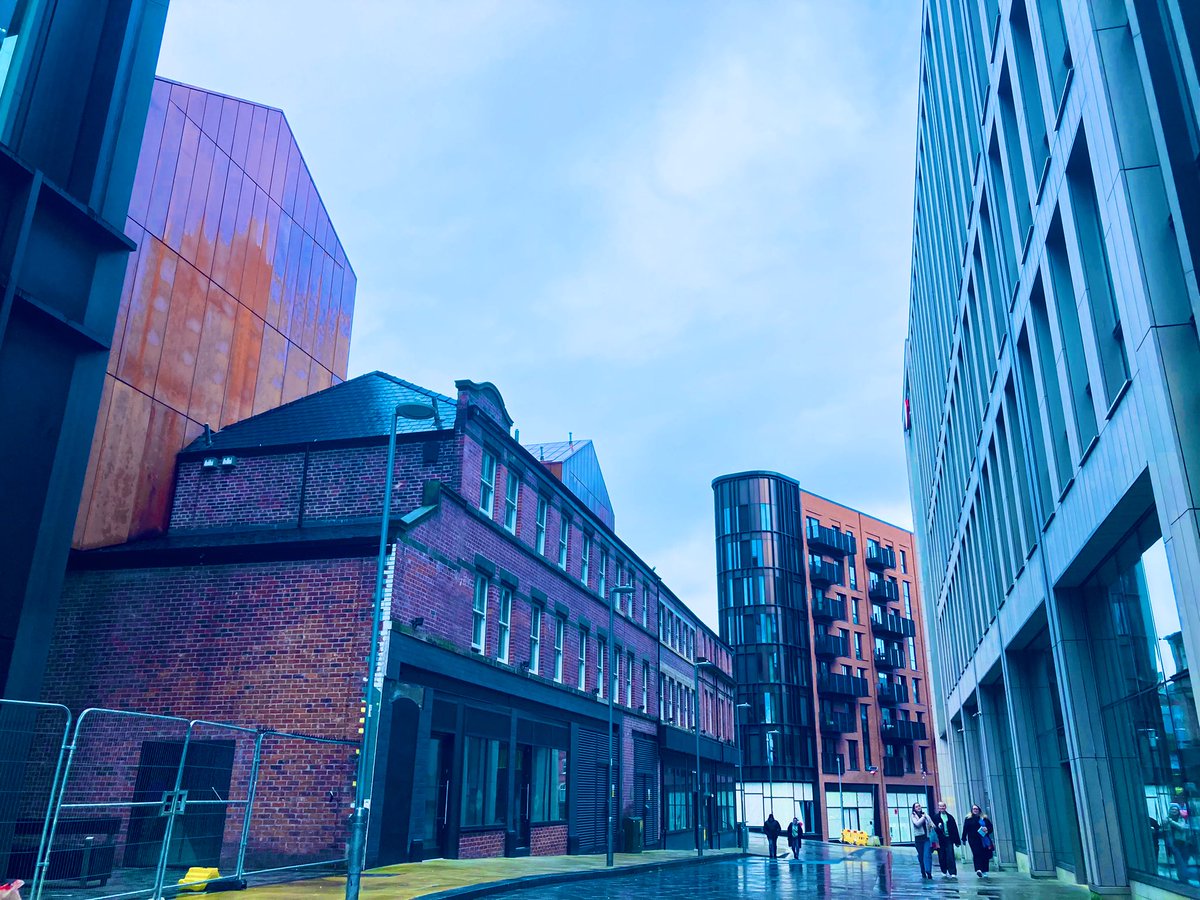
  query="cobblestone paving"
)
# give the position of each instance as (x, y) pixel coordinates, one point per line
(822, 871)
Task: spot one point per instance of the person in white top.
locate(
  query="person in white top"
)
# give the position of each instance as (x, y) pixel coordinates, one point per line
(923, 832)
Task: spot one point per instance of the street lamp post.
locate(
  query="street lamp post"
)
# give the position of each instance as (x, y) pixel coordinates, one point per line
(612, 777)
(841, 794)
(743, 835)
(700, 663)
(771, 766)
(357, 850)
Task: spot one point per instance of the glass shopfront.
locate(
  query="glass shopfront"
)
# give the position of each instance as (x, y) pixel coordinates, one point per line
(1149, 712)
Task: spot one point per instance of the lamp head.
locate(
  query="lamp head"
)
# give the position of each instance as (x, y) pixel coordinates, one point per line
(415, 410)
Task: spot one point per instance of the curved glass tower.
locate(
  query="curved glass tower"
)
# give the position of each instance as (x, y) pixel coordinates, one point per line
(763, 616)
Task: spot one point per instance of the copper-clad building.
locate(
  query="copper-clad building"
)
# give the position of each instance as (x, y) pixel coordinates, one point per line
(239, 298)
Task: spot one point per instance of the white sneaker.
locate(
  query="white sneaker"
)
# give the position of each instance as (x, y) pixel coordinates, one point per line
(978, 873)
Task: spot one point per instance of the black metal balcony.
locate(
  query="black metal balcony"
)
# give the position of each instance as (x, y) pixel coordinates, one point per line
(826, 540)
(890, 658)
(842, 685)
(892, 694)
(887, 622)
(880, 557)
(883, 590)
(833, 765)
(838, 723)
(828, 646)
(893, 767)
(903, 731)
(823, 573)
(827, 609)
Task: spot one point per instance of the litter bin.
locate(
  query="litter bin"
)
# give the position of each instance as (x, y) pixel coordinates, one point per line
(633, 834)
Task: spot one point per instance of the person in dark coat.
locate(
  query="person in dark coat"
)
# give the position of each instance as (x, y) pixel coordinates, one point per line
(771, 829)
(981, 838)
(947, 839)
(795, 834)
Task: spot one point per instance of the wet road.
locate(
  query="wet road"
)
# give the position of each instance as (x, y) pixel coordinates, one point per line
(822, 871)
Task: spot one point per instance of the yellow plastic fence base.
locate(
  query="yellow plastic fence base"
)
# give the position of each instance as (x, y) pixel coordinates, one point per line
(197, 878)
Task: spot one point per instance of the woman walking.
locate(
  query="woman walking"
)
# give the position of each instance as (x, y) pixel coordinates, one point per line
(947, 839)
(981, 838)
(923, 834)
(795, 834)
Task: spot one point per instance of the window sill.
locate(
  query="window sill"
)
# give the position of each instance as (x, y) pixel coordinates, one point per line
(1121, 392)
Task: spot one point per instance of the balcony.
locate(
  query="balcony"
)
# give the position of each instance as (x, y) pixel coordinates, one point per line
(838, 723)
(823, 573)
(892, 694)
(827, 609)
(829, 646)
(891, 658)
(883, 590)
(842, 685)
(903, 731)
(879, 558)
(886, 622)
(833, 765)
(826, 540)
(893, 767)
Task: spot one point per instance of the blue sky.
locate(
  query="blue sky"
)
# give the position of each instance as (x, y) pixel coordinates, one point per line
(680, 228)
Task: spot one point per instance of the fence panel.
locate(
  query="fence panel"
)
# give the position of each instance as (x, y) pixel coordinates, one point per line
(33, 740)
(300, 803)
(110, 826)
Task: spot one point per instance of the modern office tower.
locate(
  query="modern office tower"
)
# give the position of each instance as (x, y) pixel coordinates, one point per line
(1051, 414)
(237, 299)
(829, 657)
(75, 80)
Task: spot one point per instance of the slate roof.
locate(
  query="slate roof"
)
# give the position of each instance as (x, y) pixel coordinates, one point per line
(355, 409)
(556, 451)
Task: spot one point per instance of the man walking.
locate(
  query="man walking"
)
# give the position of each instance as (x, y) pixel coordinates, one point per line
(947, 839)
(771, 829)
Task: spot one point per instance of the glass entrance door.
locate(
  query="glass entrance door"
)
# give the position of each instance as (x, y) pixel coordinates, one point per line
(438, 754)
(524, 789)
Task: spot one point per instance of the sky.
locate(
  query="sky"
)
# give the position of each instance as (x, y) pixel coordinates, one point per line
(679, 228)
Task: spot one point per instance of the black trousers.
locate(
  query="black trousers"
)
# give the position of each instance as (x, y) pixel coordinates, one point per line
(774, 846)
(946, 861)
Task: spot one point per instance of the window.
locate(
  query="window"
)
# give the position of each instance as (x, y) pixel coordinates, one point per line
(485, 782)
(852, 570)
(479, 614)
(602, 578)
(549, 785)
(903, 563)
(583, 642)
(535, 640)
(505, 619)
(907, 600)
(601, 652)
(646, 606)
(629, 679)
(852, 756)
(853, 601)
(487, 482)
(543, 508)
(857, 645)
(912, 659)
(512, 494)
(916, 687)
(585, 554)
(560, 629)
(564, 541)
(645, 686)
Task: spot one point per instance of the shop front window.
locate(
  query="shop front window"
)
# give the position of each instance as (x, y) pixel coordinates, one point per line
(485, 782)
(549, 785)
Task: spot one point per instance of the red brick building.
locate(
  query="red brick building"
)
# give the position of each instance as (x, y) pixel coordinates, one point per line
(255, 607)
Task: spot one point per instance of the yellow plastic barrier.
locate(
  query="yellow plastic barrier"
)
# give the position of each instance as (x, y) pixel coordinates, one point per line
(197, 878)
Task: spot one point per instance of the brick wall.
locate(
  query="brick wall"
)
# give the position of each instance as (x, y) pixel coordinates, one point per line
(548, 840)
(480, 844)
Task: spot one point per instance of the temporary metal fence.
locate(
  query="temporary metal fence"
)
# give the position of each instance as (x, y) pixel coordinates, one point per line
(141, 805)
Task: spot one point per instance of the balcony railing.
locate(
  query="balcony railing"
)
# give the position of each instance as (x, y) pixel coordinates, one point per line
(823, 573)
(826, 540)
(827, 609)
(884, 622)
(842, 685)
(838, 723)
(892, 694)
(890, 658)
(883, 590)
(903, 731)
(893, 767)
(829, 645)
(880, 557)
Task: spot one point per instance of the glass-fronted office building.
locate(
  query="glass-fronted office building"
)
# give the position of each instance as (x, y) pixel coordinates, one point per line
(1051, 400)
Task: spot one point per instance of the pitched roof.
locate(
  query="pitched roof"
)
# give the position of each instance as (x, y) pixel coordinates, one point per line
(556, 451)
(355, 409)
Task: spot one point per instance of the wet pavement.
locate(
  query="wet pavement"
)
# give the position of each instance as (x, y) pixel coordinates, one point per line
(823, 870)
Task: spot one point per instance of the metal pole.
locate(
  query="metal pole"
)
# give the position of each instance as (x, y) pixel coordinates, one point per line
(696, 706)
(251, 792)
(737, 739)
(841, 793)
(357, 850)
(612, 785)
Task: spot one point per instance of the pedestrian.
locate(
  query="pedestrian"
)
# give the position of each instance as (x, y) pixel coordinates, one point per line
(1156, 838)
(795, 834)
(924, 834)
(947, 839)
(771, 829)
(1179, 841)
(980, 836)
